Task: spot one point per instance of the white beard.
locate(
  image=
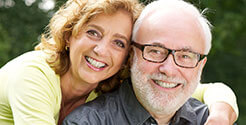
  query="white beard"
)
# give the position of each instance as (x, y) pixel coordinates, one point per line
(156, 101)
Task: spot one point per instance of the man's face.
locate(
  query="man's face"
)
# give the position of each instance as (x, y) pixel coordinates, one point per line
(164, 87)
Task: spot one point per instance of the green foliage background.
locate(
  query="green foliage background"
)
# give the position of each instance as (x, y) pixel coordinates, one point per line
(21, 26)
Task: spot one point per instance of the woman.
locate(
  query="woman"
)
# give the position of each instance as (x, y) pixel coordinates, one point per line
(85, 46)
(87, 42)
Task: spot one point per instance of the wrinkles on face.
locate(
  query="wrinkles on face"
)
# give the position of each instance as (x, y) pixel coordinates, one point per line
(155, 100)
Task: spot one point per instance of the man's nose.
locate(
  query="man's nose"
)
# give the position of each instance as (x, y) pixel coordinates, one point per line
(168, 67)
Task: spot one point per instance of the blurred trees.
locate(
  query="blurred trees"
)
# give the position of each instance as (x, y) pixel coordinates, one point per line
(20, 27)
(21, 24)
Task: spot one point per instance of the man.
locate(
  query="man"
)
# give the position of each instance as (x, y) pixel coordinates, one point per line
(171, 41)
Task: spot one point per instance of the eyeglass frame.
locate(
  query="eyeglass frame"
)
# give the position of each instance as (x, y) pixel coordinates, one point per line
(172, 51)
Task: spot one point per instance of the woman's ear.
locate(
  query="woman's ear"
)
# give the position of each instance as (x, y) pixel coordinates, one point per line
(67, 43)
(67, 37)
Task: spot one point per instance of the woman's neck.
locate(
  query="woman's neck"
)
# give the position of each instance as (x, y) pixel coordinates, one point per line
(73, 88)
(74, 93)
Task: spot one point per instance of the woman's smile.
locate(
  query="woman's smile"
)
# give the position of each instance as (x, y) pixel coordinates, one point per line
(94, 64)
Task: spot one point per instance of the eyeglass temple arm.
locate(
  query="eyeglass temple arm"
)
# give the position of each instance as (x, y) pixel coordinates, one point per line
(141, 47)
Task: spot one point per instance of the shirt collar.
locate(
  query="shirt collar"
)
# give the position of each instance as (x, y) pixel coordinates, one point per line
(134, 110)
(186, 112)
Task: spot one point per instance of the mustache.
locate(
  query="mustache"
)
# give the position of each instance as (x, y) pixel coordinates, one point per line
(163, 77)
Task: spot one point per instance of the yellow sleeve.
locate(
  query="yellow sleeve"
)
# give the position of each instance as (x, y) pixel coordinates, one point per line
(199, 92)
(91, 96)
(216, 92)
(33, 92)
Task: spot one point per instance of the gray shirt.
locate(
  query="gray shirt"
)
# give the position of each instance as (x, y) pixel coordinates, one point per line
(122, 108)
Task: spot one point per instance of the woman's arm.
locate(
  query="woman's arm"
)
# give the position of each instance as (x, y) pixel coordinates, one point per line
(221, 101)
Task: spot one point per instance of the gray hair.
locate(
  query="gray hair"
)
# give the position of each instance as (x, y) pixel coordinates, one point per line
(162, 4)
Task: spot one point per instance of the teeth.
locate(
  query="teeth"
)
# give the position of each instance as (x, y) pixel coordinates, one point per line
(95, 63)
(166, 85)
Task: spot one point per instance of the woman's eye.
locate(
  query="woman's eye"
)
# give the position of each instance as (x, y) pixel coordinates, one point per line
(119, 43)
(93, 33)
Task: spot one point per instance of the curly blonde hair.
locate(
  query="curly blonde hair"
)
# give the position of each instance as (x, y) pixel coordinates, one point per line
(69, 20)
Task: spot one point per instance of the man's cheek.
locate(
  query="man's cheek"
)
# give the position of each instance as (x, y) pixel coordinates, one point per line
(146, 68)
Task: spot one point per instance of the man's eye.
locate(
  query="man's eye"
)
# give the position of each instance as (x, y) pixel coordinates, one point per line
(119, 43)
(93, 33)
(185, 56)
(154, 51)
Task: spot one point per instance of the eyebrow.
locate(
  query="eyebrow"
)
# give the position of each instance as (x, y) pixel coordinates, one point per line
(97, 27)
(115, 35)
(122, 37)
(185, 48)
(157, 43)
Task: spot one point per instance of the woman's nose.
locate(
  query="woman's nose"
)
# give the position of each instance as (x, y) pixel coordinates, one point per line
(101, 49)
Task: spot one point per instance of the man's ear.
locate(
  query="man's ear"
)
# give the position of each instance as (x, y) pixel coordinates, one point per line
(204, 62)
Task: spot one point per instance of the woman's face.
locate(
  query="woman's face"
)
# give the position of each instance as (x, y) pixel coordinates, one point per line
(99, 50)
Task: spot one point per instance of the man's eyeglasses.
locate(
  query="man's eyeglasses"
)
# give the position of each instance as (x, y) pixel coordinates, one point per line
(158, 54)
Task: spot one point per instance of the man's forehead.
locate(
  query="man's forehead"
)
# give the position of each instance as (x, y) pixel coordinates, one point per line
(173, 29)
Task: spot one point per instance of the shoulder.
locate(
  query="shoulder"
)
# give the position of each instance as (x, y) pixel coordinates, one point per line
(99, 111)
(30, 76)
(30, 59)
(30, 64)
(200, 109)
(30, 85)
(196, 104)
(32, 73)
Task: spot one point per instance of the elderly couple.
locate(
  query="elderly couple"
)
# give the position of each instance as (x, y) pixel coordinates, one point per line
(86, 48)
